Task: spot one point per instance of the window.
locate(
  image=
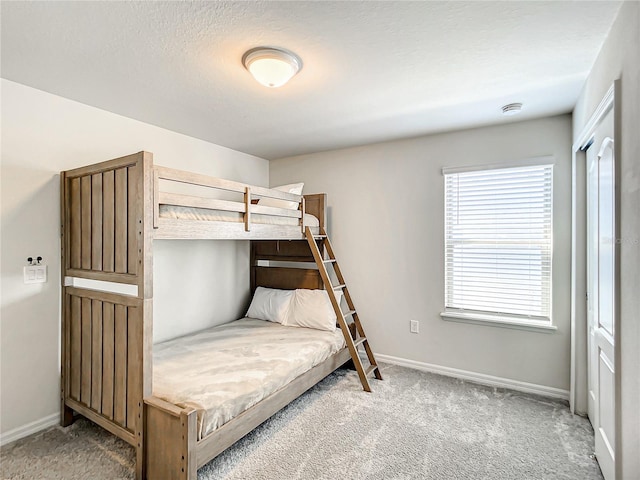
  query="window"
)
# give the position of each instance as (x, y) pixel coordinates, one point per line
(498, 245)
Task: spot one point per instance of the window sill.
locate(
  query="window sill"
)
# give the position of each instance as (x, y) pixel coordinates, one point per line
(499, 321)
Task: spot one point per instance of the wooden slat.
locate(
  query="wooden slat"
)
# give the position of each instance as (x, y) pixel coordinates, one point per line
(105, 423)
(104, 166)
(120, 366)
(133, 229)
(75, 224)
(276, 212)
(108, 352)
(121, 222)
(116, 298)
(85, 200)
(166, 407)
(96, 221)
(287, 278)
(294, 251)
(370, 369)
(359, 341)
(200, 202)
(191, 178)
(85, 388)
(76, 346)
(104, 276)
(134, 365)
(96, 355)
(108, 230)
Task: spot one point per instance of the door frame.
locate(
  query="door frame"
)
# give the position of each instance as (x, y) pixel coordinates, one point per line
(579, 329)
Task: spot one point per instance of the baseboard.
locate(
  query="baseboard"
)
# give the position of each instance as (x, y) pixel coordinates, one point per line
(481, 378)
(29, 428)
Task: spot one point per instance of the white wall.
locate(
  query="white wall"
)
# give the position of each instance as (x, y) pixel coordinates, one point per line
(197, 283)
(386, 223)
(620, 58)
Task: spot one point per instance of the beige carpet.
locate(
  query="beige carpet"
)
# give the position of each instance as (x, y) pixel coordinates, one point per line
(414, 425)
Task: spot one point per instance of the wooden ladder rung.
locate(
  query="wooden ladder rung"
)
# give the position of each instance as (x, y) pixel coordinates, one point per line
(370, 369)
(347, 313)
(359, 341)
(339, 287)
(329, 260)
(319, 237)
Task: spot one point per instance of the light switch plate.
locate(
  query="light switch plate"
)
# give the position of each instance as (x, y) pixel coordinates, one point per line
(35, 274)
(415, 326)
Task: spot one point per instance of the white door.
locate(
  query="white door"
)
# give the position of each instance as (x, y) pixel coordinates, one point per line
(601, 293)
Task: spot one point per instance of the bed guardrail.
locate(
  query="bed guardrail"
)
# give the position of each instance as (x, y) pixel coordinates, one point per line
(246, 207)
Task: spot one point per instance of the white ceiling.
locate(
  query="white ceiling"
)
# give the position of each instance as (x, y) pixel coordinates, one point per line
(373, 71)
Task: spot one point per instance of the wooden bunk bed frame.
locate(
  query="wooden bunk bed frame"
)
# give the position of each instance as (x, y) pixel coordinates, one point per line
(110, 216)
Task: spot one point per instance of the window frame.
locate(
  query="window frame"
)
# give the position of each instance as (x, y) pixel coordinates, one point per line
(521, 322)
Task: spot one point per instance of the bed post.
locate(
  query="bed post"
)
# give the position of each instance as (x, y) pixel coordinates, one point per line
(145, 292)
(66, 413)
(252, 267)
(316, 205)
(170, 452)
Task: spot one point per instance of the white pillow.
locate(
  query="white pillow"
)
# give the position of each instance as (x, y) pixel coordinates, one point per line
(274, 202)
(270, 304)
(312, 309)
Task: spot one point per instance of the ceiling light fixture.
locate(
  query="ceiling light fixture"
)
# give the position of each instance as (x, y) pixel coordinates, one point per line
(512, 109)
(272, 67)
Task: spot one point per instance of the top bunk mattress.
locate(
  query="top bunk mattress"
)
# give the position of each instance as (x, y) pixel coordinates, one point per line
(224, 370)
(194, 213)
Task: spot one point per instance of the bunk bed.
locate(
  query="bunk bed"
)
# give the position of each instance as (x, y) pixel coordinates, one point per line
(111, 213)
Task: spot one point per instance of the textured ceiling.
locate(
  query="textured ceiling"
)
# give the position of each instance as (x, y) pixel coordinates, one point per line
(373, 71)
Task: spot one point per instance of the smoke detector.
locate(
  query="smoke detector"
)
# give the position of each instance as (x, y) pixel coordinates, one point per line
(511, 109)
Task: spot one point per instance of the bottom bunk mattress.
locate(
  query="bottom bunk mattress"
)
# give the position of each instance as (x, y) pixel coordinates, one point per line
(224, 370)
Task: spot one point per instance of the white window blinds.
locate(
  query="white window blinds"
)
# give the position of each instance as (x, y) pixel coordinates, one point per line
(498, 242)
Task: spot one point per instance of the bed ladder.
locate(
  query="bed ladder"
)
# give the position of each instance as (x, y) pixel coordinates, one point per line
(358, 338)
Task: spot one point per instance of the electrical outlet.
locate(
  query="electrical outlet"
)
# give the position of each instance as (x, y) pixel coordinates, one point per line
(415, 326)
